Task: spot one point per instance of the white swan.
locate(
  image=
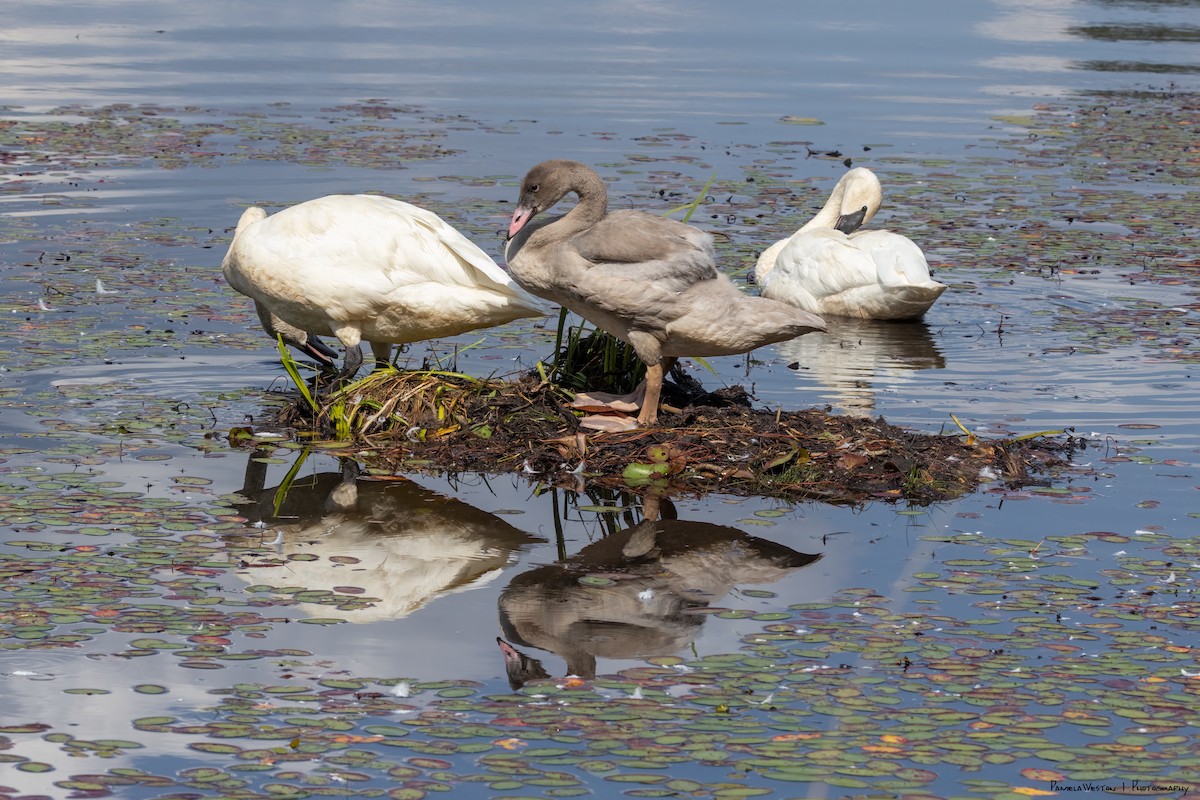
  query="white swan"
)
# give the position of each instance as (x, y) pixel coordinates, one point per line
(828, 268)
(367, 268)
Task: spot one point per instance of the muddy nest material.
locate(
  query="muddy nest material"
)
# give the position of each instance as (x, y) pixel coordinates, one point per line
(453, 423)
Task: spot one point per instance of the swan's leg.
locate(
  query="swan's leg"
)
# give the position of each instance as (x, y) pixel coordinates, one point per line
(349, 337)
(654, 384)
(383, 354)
(351, 363)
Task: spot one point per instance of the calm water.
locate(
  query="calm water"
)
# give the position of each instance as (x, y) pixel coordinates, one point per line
(502, 86)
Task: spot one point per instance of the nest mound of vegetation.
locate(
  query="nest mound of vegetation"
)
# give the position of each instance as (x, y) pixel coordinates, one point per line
(448, 422)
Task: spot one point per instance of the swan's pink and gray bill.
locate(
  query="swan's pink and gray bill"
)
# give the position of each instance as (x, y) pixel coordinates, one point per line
(519, 220)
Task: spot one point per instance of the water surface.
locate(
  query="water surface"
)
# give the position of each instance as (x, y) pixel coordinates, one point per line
(132, 385)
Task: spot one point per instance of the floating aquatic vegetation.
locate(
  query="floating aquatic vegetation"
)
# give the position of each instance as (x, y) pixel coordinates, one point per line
(1038, 674)
(1006, 663)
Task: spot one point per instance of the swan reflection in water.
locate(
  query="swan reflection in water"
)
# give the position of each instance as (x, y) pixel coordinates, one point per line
(632, 594)
(391, 541)
(857, 358)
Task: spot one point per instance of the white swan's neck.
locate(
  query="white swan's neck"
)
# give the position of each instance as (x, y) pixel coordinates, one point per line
(857, 192)
(827, 217)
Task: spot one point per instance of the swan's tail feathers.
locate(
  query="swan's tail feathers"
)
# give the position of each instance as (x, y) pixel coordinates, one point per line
(807, 320)
(480, 267)
(759, 320)
(250, 216)
(930, 290)
(532, 305)
(911, 302)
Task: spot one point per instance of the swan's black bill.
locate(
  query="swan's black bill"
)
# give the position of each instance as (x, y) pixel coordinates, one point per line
(849, 223)
(320, 352)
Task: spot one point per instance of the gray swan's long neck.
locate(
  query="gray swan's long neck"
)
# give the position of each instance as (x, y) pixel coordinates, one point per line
(591, 208)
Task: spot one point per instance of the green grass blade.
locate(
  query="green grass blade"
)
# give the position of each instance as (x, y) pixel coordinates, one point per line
(691, 207)
(289, 364)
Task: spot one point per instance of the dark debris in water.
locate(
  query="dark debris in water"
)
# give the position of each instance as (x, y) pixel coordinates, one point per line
(452, 423)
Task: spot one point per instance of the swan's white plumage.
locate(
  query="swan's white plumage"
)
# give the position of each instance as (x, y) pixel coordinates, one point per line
(370, 268)
(866, 274)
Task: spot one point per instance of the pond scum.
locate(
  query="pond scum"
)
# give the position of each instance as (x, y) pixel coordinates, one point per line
(451, 422)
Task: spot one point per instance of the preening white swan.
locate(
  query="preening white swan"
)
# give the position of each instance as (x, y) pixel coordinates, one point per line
(649, 281)
(867, 274)
(367, 268)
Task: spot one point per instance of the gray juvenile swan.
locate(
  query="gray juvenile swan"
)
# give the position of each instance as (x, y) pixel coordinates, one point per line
(367, 268)
(648, 280)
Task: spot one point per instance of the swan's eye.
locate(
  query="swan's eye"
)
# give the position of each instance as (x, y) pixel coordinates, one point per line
(864, 211)
(534, 188)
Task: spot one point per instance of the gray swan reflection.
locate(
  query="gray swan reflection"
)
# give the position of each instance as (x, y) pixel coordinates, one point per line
(631, 594)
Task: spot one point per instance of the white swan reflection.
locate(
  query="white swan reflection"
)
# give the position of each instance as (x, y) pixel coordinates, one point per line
(857, 359)
(390, 540)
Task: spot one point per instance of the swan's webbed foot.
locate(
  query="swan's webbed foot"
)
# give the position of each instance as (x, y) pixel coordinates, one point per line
(605, 401)
(608, 423)
(613, 408)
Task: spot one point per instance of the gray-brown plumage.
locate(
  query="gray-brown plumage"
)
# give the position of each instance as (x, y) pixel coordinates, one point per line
(659, 575)
(648, 280)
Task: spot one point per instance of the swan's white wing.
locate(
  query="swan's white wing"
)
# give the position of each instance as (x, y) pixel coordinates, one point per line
(816, 265)
(394, 270)
(905, 289)
(898, 260)
(478, 268)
